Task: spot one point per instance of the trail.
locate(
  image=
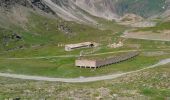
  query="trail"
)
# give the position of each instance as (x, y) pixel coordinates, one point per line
(80, 80)
(153, 37)
(42, 57)
(70, 56)
(65, 56)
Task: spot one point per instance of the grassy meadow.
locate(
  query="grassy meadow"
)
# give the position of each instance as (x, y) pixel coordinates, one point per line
(42, 39)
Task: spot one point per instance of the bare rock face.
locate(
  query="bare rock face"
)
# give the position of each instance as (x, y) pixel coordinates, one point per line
(82, 10)
(67, 10)
(11, 3)
(99, 8)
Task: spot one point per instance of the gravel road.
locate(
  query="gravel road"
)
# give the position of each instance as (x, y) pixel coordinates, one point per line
(81, 79)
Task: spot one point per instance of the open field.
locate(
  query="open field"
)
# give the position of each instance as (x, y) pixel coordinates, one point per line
(64, 66)
(42, 39)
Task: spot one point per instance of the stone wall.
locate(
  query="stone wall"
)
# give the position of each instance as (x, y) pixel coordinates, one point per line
(86, 63)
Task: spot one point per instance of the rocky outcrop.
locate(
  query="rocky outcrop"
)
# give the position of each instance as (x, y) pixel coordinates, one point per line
(41, 5)
(8, 4)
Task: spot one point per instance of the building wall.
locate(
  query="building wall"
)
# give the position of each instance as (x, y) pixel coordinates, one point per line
(67, 48)
(70, 47)
(85, 63)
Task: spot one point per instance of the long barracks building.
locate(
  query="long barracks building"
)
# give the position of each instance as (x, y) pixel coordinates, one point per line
(85, 63)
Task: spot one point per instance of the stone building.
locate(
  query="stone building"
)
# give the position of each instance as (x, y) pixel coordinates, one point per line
(70, 47)
(86, 63)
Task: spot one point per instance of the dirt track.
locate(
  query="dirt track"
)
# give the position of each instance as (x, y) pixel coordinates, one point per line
(80, 80)
(148, 35)
(66, 56)
(70, 56)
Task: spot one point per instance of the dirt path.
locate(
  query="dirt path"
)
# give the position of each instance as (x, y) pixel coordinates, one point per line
(148, 35)
(42, 57)
(80, 80)
(66, 56)
(70, 56)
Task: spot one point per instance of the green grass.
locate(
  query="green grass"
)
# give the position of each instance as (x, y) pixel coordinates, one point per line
(53, 49)
(81, 32)
(42, 32)
(64, 67)
(158, 94)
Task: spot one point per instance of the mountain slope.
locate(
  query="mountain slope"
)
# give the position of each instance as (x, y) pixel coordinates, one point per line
(99, 8)
(68, 11)
(79, 10)
(82, 11)
(144, 8)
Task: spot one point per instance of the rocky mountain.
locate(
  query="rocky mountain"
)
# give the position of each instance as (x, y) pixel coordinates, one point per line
(144, 8)
(84, 10)
(108, 9)
(102, 8)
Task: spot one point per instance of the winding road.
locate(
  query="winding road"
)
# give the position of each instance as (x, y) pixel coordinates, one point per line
(80, 80)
